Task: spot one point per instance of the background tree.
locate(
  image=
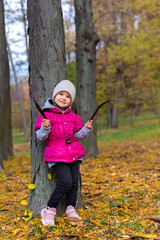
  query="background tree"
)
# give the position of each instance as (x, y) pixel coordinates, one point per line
(26, 135)
(86, 41)
(16, 54)
(47, 67)
(128, 49)
(6, 148)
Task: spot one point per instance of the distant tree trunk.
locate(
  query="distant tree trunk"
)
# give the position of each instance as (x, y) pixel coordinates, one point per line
(25, 24)
(116, 94)
(86, 41)
(26, 135)
(109, 106)
(114, 113)
(6, 147)
(124, 93)
(47, 67)
(135, 98)
(153, 104)
(117, 41)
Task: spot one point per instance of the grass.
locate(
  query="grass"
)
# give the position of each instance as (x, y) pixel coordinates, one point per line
(136, 133)
(21, 148)
(18, 136)
(125, 121)
(145, 126)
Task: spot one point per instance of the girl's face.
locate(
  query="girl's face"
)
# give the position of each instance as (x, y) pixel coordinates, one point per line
(63, 100)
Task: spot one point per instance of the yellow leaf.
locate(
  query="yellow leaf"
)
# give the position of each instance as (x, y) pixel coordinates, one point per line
(24, 202)
(30, 213)
(49, 176)
(15, 231)
(31, 186)
(25, 212)
(146, 235)
(3, 176)
(27, 215)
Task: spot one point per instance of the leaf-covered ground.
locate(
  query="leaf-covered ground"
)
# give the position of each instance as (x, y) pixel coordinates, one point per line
(121, 191)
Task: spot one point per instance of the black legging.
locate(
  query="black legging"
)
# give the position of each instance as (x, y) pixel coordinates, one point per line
(68, 174)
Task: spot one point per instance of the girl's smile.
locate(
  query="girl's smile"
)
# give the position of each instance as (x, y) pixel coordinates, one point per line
(63, 100)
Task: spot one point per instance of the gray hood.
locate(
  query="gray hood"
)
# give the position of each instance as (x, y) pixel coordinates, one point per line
(48, 104)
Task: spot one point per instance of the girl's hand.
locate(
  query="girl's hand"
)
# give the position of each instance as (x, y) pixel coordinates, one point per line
(89, 124)
(46, 123)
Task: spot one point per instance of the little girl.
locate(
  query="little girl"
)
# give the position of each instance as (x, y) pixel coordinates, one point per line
(60, 131)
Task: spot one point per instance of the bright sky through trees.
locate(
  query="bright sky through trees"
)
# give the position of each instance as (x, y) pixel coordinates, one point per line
(15, 35)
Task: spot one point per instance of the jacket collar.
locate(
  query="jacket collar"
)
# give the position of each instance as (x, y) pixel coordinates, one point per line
(57, 110)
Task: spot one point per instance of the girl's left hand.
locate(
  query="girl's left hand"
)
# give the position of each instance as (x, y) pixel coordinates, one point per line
(89, 124)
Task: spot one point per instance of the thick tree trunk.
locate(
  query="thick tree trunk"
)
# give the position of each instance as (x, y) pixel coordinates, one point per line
(6, 147)
(86, 40)
(47, 67)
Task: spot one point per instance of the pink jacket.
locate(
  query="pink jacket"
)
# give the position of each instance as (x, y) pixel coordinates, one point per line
(63, 126)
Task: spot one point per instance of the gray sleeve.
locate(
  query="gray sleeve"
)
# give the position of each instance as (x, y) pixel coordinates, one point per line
(83, 133)
(42, 133)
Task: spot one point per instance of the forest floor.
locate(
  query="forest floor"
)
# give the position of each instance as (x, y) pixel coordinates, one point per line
(121, 192)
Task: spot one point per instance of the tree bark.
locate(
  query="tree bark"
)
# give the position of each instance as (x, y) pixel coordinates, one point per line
(47, 64)
(6, 147)
(86, 41)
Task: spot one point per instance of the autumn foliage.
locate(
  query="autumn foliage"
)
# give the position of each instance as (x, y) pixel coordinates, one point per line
(120, 190)
(121, 187)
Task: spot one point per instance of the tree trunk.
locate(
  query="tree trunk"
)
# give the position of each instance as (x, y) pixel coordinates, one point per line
(135, 98)
(47, 67)
(109, 106)
(86, 40)
(116, 94)
(153, 104)
(26, 135)
(24, 20)
(6, 147)
(119, 73)
(124, 93)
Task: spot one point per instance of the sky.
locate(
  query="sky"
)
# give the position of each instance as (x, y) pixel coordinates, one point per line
(15, 36)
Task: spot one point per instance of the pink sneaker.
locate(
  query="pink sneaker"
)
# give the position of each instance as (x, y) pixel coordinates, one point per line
(48, 215)
(72, 214)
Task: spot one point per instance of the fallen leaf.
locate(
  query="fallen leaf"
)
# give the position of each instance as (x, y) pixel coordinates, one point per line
(49, 176)
(31, 186)
(24, 202)
(27, 215)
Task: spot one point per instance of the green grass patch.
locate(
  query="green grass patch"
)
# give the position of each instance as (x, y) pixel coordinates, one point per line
(18, 136)
(146, 126)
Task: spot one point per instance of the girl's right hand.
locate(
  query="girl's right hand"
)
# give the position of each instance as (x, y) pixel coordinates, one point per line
(46, 123)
